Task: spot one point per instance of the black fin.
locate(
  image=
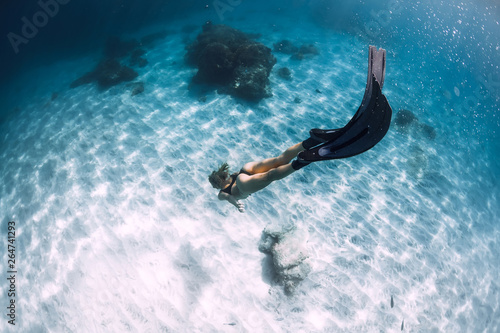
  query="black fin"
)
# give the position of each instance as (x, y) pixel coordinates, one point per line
(368, 125)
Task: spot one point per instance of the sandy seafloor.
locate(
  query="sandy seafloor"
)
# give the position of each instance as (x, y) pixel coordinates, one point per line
(119, 229)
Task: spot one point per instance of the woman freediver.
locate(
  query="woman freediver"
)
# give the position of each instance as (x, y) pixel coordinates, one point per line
(366, 128)
(254, 176)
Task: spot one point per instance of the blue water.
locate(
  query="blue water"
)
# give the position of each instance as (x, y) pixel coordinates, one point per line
(118, 228)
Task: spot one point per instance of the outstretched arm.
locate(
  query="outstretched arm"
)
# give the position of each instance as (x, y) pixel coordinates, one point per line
(232, 200)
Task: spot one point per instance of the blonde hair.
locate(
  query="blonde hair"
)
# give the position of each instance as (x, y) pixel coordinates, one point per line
(219, 177)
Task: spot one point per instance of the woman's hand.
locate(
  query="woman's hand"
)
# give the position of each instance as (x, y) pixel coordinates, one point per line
(233, 201)
(240, 206)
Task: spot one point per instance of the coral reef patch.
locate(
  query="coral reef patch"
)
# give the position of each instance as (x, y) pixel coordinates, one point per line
(232, 60)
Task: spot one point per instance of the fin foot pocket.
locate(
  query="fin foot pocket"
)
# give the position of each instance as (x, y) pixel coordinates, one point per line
(299, 163)
(318, 136)
(325, 135)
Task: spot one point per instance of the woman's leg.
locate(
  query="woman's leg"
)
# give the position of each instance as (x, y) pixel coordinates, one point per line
(275, 162)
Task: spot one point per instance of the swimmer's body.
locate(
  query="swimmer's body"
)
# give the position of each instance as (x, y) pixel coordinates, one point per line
(253, 177)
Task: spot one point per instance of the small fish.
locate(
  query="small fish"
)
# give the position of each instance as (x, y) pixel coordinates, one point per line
(392, 302)
(402, 325)
(230, 324)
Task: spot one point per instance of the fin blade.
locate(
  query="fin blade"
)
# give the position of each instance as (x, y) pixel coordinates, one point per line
(368, 126)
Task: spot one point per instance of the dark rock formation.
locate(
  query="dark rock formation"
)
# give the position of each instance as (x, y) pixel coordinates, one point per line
(107, 73)
(111, 70)
(287, 247)
(407, 122)
(285, 73)
(404, 118)
(251, 83)
(305, 51)
(254, 55)
(216, 64)
(309, 49)
(297, 53)
(137, 88)
(231, 59)
(229, 37)
(285, 46)
(428, 131)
